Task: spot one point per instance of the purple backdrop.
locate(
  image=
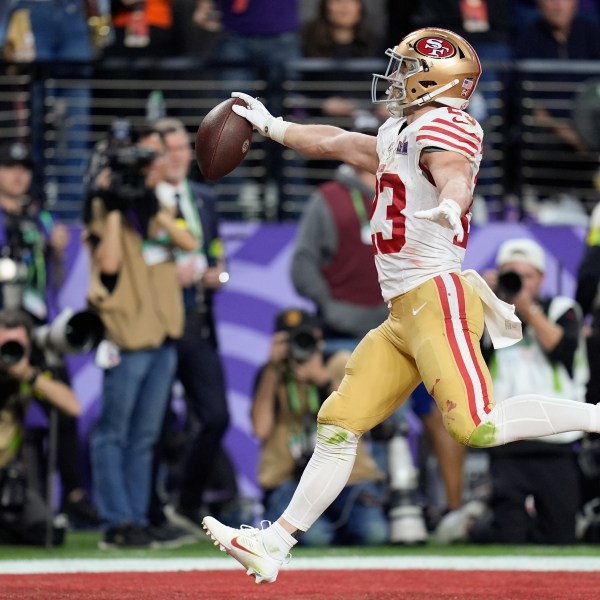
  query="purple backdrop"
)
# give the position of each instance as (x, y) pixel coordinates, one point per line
(259, 286)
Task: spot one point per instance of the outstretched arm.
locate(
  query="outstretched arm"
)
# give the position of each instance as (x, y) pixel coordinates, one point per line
(453, 176)
(316, 141)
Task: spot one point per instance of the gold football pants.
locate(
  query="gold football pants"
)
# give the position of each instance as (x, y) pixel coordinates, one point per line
(432, 334)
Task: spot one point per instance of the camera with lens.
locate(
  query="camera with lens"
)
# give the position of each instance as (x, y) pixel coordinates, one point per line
(70, 333)
(11, 353)
(509, 284)
(302, 343)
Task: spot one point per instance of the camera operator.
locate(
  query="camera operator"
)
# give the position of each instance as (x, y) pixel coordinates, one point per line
(23, 512)
(135, 290)
(288, 393)
(549, 360)
(32, 249)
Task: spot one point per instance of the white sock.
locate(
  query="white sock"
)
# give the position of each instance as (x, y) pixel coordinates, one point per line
(324, 477)
(278, 541)
(532, 416)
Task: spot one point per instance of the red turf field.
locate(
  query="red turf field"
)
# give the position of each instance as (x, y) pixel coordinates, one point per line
(307, 585)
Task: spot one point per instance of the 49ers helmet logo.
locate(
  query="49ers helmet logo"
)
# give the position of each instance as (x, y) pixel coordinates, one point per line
(434, 47)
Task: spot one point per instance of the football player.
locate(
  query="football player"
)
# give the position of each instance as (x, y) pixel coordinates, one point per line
(426, 157)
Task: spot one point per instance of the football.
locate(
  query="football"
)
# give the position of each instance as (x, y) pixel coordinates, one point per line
(223, 140)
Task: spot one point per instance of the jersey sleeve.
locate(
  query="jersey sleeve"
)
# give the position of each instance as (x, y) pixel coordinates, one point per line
(452, 130)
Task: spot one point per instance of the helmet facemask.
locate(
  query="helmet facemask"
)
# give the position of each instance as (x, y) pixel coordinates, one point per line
(390, 88)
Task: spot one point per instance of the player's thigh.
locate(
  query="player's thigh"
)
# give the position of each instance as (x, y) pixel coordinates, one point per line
(378, 380)
(448, 356)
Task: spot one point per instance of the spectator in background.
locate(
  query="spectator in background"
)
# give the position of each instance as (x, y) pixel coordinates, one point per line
(288, 393)
(24, 515)
(142, 29)
(197, 27)
(485, 24)
(134, 289)
(35, 243)
(58, 38)
(535, 494)
(560, 33)
(200, 274)
(257, 41)
(338, 31)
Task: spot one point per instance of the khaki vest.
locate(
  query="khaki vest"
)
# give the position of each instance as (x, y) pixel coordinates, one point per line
(146, 304)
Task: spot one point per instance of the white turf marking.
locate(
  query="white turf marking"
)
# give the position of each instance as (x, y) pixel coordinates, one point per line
(470, 563)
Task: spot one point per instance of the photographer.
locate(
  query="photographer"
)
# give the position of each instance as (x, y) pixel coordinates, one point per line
(23, 512)
(134, 289)
(29, 238)
(32, 248)
(289, 391)
(549, 360)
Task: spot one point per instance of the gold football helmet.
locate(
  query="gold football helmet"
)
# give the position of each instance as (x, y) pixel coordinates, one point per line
(428, 65)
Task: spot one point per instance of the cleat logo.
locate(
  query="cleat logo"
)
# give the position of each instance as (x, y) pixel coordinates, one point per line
(235, 542)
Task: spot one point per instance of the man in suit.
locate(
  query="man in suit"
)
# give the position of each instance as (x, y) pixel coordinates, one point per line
(201, 274)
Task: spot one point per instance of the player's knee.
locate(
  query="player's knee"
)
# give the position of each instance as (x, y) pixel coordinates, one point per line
(333, 439)
(484, 436)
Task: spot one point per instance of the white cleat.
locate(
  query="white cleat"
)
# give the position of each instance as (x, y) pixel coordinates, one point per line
(246, 546)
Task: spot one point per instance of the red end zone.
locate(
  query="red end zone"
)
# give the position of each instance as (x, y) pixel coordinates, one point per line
(307, 585)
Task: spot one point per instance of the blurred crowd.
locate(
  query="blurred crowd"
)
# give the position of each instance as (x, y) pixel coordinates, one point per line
(156, 461)
(249, 46)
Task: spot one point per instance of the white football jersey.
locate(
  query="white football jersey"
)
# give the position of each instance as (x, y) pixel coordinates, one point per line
(409, 251)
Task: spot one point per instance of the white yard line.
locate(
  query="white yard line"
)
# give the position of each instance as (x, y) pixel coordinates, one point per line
(471, 563)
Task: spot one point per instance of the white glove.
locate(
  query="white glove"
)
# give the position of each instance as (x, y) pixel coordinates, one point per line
(262, 120)
(448, 214)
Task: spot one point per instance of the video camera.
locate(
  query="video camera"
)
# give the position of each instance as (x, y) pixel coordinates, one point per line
(126, 161)
(70, 333)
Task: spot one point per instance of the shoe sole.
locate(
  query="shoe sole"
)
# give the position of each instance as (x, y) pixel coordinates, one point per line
(258, 578)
